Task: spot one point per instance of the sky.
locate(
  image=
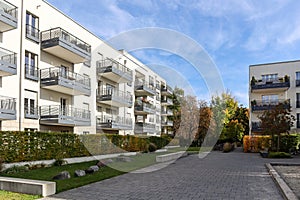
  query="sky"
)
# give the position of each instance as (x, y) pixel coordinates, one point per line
(233, 33)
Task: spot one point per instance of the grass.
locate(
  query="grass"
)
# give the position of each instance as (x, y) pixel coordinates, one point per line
(4, 195)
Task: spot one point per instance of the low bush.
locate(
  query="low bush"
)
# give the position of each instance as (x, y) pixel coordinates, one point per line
(60, 162)
(16, 169)
(227, 147)
(279, 155)
(152, 147)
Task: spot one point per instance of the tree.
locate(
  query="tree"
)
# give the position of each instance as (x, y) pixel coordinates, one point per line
(189, 119)
(205, 116)
(177, 97)
(276, 121)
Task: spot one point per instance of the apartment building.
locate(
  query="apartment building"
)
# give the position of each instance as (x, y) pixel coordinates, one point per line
(55, 75)
(270, 84)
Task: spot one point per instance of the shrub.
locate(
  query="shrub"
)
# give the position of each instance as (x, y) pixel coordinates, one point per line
(152, 147)
(256, 143)
(16, 169)
(60, 162)
(227, 147)
(279, 155)
(1, 164)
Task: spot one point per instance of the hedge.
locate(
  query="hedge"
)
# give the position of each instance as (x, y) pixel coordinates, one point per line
(30, 146)
(258, 143)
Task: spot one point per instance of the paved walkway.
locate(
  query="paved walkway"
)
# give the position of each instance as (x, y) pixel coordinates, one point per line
(234, 175)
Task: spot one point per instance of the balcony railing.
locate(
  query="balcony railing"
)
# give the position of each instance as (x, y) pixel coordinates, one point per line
(113, 122)
(280, 83)
(31, 113)
(167, 101)
(60, 80)
(166, 90)
(141, 128)
(143, 88)
(7, 108)
(144, 108)
(65, 45)
(114, 97)
(31, 72)
(257, 105)
(167, 123)
(256, 127)
(33, 33)
(115, 71)
(167, 112)
(8, 16)
(64, 115)
(8, 62)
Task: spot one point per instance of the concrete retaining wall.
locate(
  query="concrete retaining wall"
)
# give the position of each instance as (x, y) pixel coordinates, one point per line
(170, 156)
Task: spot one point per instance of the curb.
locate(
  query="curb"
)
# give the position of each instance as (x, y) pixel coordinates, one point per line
(281, 184)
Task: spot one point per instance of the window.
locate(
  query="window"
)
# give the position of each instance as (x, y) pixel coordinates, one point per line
(298, 100)
(298, 120)
(151, 81)
(99, 109)
(269, 77)
(31, 63)
(297, 79)
(270, 99)
(109, 89)
(30, 104)
(32, 27)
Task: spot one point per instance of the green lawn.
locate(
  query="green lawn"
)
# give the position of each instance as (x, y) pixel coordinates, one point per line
(4, 195)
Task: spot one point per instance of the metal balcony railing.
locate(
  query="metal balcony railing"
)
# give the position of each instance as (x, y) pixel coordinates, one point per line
(55, 72)
(141, 85)
(67, 37)
(144, 107)
(7, 108)
(141, 127)
(111, 119)
(31, 112)
(167, 112)
(110, 94)
(281, 82)
(69, 111)
(8, 16)
(8, 8)
(32, 33)
(258, 105)
(168, 101)
(167, 89)
(111, 65)
(31, 72)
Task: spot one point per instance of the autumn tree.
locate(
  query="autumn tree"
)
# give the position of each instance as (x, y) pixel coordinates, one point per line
(275, 122)
(177, 97)
(189, 119)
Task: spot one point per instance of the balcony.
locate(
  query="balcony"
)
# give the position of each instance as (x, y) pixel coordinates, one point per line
(7, 108)
(268, 105)
(256, 127)
(64, 116)
(62, 44)
(114, 98)
(144, 108)
(143, 88)
(8, 62)
(31, 113)
(167, 112)
(8, 16)
(114, 71)
(113, 123)
(167, 123)
(167, 102)
(166, 90)
(67, 82)
(274, 85)
(31, 72)
(142, 128)
(32, 33)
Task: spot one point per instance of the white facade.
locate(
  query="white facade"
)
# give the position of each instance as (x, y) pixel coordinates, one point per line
(57, 76)
(271, 84)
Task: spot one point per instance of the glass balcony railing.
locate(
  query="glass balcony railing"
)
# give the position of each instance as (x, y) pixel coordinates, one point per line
(114, 97)
(279, 83)
(141, 128)
(113, 122)
(143, 88)
(8, 16)
(258, 105)
(7, 108)
(33, 33)
(8, 62)
(31, 72)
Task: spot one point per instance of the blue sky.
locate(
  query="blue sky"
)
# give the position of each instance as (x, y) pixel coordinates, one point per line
(234, 33)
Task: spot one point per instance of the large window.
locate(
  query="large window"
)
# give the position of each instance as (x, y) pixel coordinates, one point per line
(298, 120)
(269, 77)
(32, 27)
(298, 100)
(31, 63)
(270, 99)
(297, 79)
(30, 104)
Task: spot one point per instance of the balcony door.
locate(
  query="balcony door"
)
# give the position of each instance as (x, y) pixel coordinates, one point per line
(63, 106)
